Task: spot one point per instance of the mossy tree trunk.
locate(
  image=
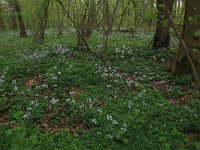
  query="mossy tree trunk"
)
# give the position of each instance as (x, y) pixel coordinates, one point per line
(14, 20)
(42, 21)
(191, 25)
(20, 18)
(60, 25)
(2, 24)
(162, 36)
(88, 22)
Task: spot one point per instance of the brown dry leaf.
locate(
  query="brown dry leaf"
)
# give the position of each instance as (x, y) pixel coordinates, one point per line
(32, 81)
(50, 127)
(160, 85)
(181, 100)
(4, 120)
(76, 92)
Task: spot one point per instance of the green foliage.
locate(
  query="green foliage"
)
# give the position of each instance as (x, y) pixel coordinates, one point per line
(197, 33)
(3, 103)
(175, 92)
(193, 19)
(80, 103)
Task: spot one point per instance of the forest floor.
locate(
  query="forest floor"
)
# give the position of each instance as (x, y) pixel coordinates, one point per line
(53, 96)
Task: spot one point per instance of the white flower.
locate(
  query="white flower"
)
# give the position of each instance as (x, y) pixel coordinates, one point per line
(55, 78)
(124, 127)
(110, 136)
(29, 108)
(26, 115)
(130, 104)
(71, 93)
(44, 86)
(15, 88)
(13, 81)
(109, 85)
(68, 100)
(54, 101)
(100, 111)
(94, 121)
(109, 117)
(114, 122)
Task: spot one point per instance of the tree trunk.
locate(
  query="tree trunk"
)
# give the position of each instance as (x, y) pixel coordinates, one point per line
(191, 25)
(124, 9)
(106, 25)
(14, 21)
(162, 36)
(60, 25)
(87, 23)
(108, 21)
(43, 17)
(2, 25)
(20, 19)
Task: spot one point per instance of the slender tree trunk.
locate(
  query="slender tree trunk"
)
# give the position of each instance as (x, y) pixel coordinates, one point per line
(20, 19)
(108, 21)
(162, 36)
(124, 9)
(2, 25)
(14, 20)
(106, 25)
(43, 17)
(87, 23)
(60, 25)
(191, 25)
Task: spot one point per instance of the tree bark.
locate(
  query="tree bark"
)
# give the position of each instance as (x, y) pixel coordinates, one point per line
(191, 25)
(14, 20)
(2, 24)
(106, 24)
(87, 22)
(60, 25)
(185, 49)
(162, 36)
(20, 18)
(42, 24)
(108, 21)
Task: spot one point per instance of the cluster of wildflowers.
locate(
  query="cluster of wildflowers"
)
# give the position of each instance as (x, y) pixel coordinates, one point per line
(123, 51)
(60, 49)
(29, 109)
(3, 77)
(110, 118)
(53, 101)
(2, 81)
(142, 36)
(36, 55)
(112, 73)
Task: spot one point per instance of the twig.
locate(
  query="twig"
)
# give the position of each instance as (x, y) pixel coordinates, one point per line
(198, 12)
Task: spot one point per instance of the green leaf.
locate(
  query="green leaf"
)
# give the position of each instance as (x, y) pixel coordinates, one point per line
(125, 141)
(34, 138)
(9, 132)
(18, 114)
(197, 145)
(197, 33)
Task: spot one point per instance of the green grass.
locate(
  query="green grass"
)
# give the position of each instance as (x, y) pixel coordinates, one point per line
(79, 103)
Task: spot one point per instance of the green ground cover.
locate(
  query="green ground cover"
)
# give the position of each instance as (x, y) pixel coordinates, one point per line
(53, 96)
